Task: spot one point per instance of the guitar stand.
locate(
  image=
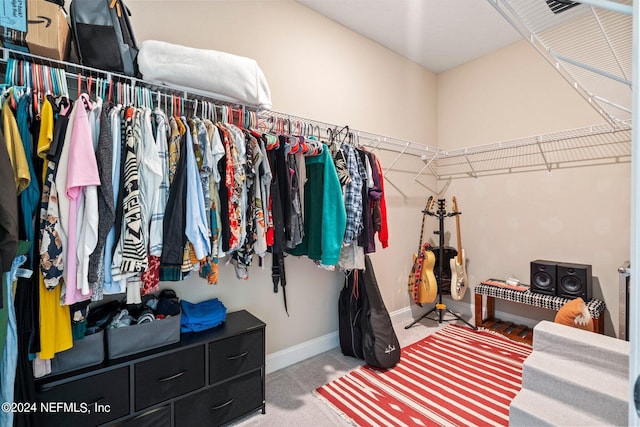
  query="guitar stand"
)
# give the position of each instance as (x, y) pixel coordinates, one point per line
(440, 308)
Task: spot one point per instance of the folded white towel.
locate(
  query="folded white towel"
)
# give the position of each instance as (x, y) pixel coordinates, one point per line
(231, 77)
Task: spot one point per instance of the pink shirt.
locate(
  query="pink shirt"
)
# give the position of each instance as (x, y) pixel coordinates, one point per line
(81, 172)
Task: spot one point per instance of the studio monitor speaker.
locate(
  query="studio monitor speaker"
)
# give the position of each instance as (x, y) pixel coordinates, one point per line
(543, 277)
(574, 280)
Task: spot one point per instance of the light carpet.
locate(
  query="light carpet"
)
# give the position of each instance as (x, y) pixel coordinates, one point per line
(455, 376)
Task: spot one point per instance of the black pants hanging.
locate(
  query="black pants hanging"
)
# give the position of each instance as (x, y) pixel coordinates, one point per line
(26, 322)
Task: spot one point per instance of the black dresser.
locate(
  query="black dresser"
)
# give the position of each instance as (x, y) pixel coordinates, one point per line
(209, 378)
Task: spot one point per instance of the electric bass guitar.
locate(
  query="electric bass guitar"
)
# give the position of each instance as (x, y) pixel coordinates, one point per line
(423, 287)
(458, 269)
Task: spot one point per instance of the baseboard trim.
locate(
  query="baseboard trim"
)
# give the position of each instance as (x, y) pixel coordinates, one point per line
(299, 352)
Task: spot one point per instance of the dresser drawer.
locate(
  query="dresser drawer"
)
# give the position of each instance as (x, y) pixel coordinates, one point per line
(168, 376)
(221, 403)
(157, 417)
(235, 355)
(105, 396)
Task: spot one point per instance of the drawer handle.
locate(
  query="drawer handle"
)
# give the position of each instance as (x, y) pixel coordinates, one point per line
(172, 377)
(238, 356)
(95, 402)
(215, 408)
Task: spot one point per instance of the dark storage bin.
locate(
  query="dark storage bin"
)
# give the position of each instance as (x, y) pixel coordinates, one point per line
(136, 338)
(88, 351)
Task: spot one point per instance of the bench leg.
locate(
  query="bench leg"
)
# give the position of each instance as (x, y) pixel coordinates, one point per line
(478, 305)
(598, 324)
(491, 308)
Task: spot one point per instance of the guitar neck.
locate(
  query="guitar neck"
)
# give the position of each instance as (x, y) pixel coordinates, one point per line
(459, 238)
(425, 212)
(424, 216)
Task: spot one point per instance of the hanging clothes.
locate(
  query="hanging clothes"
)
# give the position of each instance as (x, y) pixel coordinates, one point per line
(83, 184)
(324, 212)
(279, 212)
(241, 258)
(175, 214)
(134, 251)
(262, 198)
(10, 353)
(8, 212)
(157, 216)
(14, 146)
(151, 277)
(82, 179)
(30, 197)
(54, 320)
(196, 228)
(106, 208)
(8, 234)
(111, 285)
(365, 227)
(296, 225)
(53, 237)
(146, 197)
(353, 194)
(383, 229)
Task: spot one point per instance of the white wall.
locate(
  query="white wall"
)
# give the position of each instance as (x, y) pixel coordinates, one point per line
(575, 215)
(319, 70)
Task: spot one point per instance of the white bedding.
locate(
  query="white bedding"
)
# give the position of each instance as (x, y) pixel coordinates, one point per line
(231, 77)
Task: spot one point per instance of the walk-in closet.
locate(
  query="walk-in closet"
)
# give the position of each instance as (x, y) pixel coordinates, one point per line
(218, 225)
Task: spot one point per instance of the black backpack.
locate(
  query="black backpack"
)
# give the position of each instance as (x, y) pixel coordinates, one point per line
(102, 35)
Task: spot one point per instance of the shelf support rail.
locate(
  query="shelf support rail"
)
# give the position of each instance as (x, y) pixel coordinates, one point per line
(393, 163)
(589, 68)
(608, 40)
(613, 104)
(427, 165)
(544, 158)
(473, 172)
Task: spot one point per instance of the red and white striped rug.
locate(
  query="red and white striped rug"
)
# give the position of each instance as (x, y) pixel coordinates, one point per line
(454, 377)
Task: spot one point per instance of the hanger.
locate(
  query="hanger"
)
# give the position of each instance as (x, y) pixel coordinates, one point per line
(344, 138)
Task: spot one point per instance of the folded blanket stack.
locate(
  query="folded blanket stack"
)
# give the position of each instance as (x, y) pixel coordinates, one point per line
(201, 316)
(226, 76)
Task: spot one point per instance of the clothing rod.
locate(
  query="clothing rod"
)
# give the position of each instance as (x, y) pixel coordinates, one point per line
(72, 70)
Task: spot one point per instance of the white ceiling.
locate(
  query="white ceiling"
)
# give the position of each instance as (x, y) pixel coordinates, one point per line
(438, 34)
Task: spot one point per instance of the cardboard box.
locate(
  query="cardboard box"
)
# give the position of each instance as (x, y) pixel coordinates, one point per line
(48, 33)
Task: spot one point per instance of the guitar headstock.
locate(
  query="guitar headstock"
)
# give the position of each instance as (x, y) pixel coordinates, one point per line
(454, 203)
(442, 205)
(429, 206)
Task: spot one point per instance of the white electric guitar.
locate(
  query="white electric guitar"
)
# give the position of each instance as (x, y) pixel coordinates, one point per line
(458, 269)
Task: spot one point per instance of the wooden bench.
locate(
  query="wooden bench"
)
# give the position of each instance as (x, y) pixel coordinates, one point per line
(522, 333)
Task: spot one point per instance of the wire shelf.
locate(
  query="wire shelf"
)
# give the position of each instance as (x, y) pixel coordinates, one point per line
(570, 148)
(590, 46)
(574, 147)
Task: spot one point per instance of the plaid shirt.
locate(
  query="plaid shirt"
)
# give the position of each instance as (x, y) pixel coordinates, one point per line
(353, 194)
